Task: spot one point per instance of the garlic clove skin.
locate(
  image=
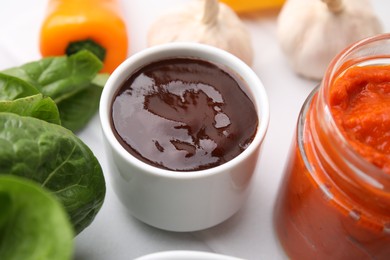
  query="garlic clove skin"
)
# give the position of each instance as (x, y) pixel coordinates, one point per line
(310, 34)
(204, 21)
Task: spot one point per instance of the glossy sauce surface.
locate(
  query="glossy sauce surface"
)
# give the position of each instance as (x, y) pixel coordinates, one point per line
(184, 114)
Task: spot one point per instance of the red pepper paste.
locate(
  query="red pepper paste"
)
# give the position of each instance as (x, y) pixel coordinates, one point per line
(360, 103)
(323, 213)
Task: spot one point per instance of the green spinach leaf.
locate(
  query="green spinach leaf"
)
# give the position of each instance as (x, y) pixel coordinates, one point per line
(72, 82)
(35, 106)
(86, 101)
(59, 77)
(13, 87)
(55, 157)
(33, 224)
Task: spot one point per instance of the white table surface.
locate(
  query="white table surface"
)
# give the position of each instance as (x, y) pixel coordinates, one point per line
(249, 234)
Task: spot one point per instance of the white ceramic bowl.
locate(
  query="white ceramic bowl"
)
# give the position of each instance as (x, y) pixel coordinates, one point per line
(178, 201)
(186, 255)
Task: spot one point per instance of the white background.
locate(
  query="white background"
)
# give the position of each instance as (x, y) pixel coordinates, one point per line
(249, 234)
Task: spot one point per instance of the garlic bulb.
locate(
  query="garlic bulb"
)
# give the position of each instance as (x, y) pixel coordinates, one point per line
(208, 22)
(312, 32)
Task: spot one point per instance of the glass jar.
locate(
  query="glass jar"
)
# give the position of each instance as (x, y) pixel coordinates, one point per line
(333, 201)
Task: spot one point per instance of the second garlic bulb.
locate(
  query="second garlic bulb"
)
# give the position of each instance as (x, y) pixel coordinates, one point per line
(312, 32)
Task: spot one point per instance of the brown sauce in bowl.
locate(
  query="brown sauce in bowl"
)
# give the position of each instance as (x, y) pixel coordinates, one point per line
(183, 114)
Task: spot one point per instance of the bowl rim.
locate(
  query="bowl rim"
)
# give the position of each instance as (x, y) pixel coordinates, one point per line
(188, 50)
(186, 254)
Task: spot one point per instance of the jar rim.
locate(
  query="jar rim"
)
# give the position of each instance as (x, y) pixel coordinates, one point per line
(363, 169)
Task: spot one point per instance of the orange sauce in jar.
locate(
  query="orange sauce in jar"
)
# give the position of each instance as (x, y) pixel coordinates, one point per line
(360, 102)
(334, 202)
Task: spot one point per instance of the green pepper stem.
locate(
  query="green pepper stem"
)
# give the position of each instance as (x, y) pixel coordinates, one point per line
(89, 45)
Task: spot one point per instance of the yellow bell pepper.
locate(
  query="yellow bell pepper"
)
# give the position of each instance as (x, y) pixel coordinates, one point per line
(244, 6)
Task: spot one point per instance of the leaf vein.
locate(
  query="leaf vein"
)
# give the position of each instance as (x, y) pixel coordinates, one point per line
(58, 167)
